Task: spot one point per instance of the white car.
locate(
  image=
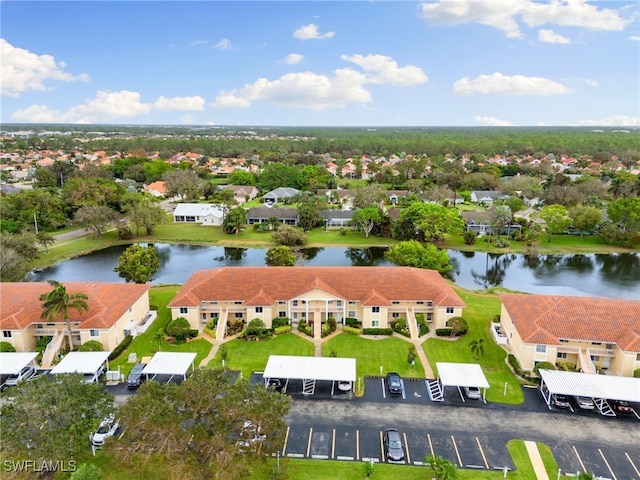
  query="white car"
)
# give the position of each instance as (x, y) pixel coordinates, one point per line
(473, 393)
(106, 429)
(585, 403)
(25, 374)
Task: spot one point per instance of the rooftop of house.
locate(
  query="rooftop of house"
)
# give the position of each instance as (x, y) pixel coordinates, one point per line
(267, 212)
(260, 286)
(20, 304)
(545, 319)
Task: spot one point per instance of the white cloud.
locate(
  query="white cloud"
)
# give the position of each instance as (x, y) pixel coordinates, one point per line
(635, 38)
(106, 106)
(293, 58)
(310, 32)
(316, 92)
(492, 121)
(224, 44)
(179, 103)
(23, 71)
(195, 43)
(382, 69)
(505, 15)
(499, 84)
(549, 36)
(615, 121)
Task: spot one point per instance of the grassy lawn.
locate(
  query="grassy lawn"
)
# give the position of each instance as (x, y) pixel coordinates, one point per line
(145, 345)
(481, 308)
(251, 357)
(388, 352)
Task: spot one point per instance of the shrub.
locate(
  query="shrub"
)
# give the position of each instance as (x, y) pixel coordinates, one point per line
(280, 322)
(289, 236)
(91, 346)
(351, 321)
(7, 347)
(282, 329)
(501, 243)
(121, 347)
(211, 325)
(178, 329)
(377, 331)
(567, 367)
(41, 344)
(443, 332)
(352, 330)
(544, 366)
(458, 326)
(636, 373)
(256, 330)
(423, 329)
(470, 237)
(305, 328)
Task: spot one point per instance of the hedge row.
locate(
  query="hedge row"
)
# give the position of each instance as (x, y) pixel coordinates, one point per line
(122, 346)
(352, 330)
(377, 331)
(281, 330)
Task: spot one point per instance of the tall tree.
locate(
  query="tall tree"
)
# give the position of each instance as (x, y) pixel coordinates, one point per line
(557, 219)
(280, 256)
(205, 428)
(367, 218)
(95, 217)
(138, 264)
(442, 468)
(58, 302)
(585, 218)
(427, 222)
(625, 212)
(242, 177)
(48, 421)
(183, 183)
(477, 347)
(413, 254)
(147, 214)
(235, 220)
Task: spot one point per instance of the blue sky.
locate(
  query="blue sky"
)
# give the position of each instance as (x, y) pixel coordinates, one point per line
(431, 63)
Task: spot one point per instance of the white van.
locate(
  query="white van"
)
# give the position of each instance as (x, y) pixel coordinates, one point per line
(25, 374)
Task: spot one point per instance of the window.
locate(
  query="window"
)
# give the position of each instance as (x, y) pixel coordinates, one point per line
(282, 314)
(429, 317)
(94, 333)
(281, 302)
(429, 303)
(304, 314)
(449, 309)
(352, 302)
(395, 314)
(596, 343)
(338, 303)
(258, 309)
(184, 310)
(6, 333)
(375, 309)
(562, 355)
(609, 346)
(213, 303)
(295, 303)
(351, 314)
(375, 323)
(330, 302)
(564, 340)
(204, 316)
(238, 314)
(541, 349)
(237, 303)
(395, 302)
(38, 325)
(213, 315)
(420, 303)
(595, 358)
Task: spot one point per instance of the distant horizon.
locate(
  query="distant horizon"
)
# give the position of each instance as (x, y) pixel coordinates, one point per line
(357, 64)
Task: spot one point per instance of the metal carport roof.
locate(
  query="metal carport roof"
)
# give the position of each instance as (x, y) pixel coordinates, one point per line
(311, 368)
(461, 375)
(12, 362)
(170, 363)
(81, 362)
(591, 385)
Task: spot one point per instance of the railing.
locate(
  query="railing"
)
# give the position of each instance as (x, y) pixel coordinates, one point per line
(498, 335)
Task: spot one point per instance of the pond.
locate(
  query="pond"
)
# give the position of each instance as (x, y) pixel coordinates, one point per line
(614, 275)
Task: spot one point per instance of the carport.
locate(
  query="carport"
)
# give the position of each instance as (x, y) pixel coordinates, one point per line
(462, 375)
(89, 364)
(12, 363)
(598, 387)
(170, 363)
(310, 370)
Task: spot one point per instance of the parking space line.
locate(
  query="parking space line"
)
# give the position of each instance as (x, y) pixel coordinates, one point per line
(381, 447)
(358, 445)
(404, 391)
(406, 446)
(455, 447)
(632, 464)
(309, 442)
(384, 395)
(430, 445)
(333, 444)
(486, 464)
(579, 459)
(286, 439)
(607, 464)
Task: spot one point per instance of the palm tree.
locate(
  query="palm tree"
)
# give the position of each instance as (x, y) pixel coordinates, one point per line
(477, 347)
(443, 468)
(58, 302)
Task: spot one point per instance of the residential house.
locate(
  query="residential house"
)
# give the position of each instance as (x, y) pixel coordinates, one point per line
(336, 218)
(486, 197)
(203, 213)
(115, 310)
(373, 295)
(480, 223)
(288, 216)
(279, 194)
(587, 332)
(242, 193)
(157, 189)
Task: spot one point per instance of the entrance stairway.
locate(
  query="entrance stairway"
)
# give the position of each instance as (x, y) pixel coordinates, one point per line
(221, 328)
(53, 347)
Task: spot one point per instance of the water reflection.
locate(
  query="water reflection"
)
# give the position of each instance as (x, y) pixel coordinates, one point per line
(607, 275)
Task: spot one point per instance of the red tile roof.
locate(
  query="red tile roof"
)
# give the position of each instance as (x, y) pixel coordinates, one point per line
(265, 285)
(545, 319)
(20, 305)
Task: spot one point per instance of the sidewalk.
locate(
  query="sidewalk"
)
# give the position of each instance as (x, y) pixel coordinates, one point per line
(536, 460)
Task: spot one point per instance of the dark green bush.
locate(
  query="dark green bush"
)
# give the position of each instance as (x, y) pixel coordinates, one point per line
(423, 329)
(305, 328)
(122, 346)
(91, 346)
(470, 237)
(443, 332)
(280, 322)
(377, 331)
(636, 373)
(351, 321)
(41, 344)
(544, 366)
(7, 347)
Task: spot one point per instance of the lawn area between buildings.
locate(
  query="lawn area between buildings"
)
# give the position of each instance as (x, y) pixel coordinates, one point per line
(481, 309)
(307, 469)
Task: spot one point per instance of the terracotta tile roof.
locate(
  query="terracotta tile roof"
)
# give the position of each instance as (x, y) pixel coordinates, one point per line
(20, 305)
(545, 319)
(365, 284)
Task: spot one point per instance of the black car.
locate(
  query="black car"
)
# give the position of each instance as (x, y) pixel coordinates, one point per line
(394, 383)
(276, 384)
(135, 377)
(393, 446)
